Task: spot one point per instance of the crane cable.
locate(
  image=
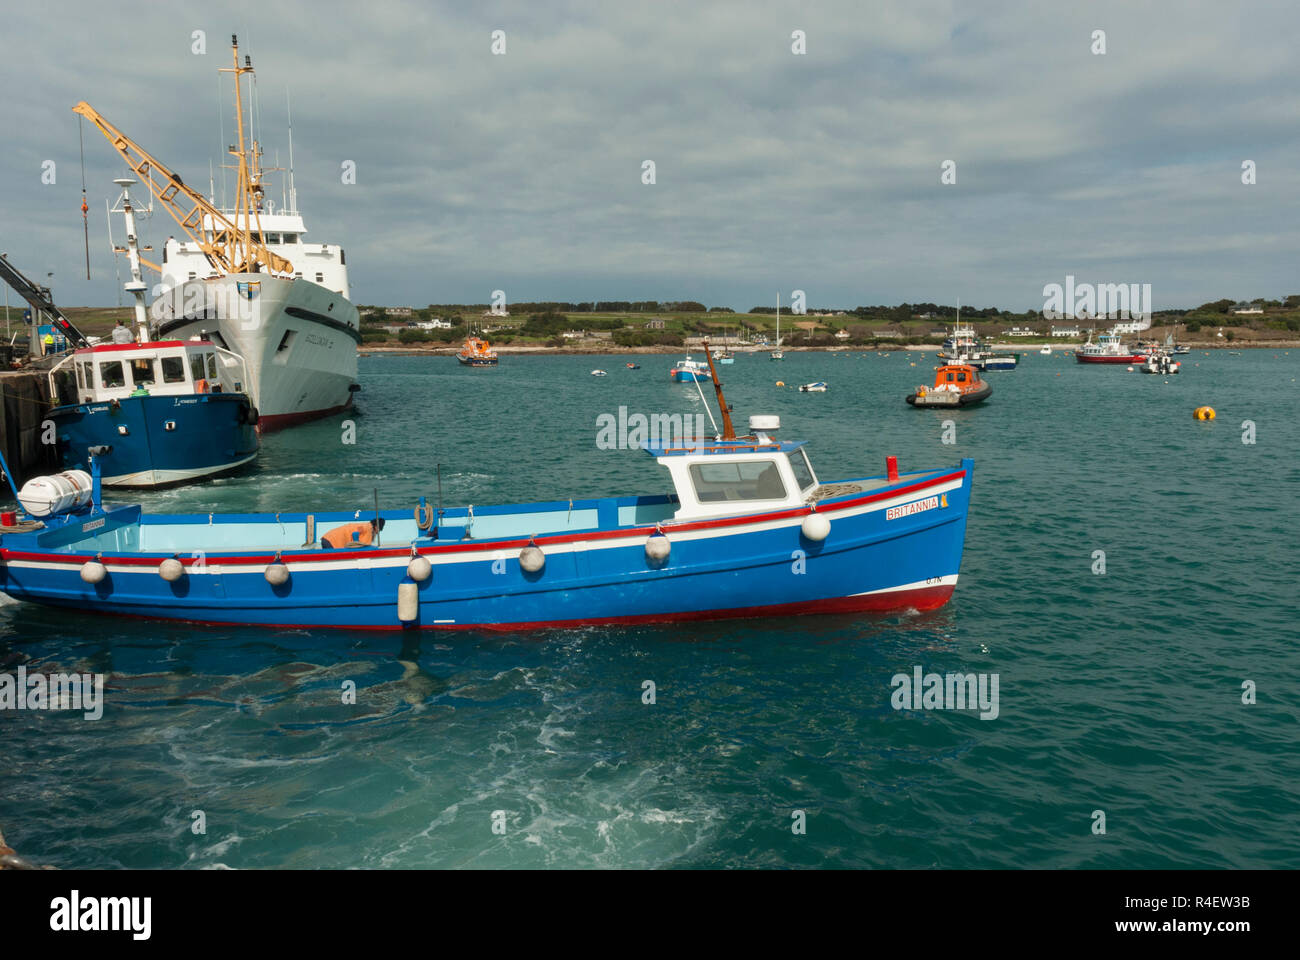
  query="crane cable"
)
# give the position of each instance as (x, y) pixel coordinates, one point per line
(85, 223)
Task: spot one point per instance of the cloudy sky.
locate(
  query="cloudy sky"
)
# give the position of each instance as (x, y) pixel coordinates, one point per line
(774, 171)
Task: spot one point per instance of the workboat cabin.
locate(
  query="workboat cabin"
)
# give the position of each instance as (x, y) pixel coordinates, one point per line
(723, 477)
(161, 368)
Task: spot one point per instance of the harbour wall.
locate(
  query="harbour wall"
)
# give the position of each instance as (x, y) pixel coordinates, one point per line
(25, 395)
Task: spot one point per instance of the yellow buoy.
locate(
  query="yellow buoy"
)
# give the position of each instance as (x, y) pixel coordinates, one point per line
(780, 383)
(1204, 413)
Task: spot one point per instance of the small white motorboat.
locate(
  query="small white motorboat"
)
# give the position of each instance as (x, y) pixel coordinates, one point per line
(818, 387)
(1046, 351)
(599, 373)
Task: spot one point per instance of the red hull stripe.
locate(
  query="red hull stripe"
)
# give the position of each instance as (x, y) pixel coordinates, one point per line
(922, 599)
(268, 423)
(490, 545)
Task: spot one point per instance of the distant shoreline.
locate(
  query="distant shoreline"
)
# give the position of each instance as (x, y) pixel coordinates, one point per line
(612, 350)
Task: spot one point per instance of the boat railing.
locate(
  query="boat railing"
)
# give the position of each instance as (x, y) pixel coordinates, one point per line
(229, 360)
(54, 386)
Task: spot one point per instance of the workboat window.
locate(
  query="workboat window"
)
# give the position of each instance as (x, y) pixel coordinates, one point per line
(173, 370)
(803, 474)
(320, 278)
(950, 376)
(88, 375)
(211, 359)
(111, 374)
(737, 480)
(961, 377)
(272, 238)
(291, 238)
(142, 372)
(196, 366)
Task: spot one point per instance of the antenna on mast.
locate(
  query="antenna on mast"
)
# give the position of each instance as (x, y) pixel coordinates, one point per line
(293, 192)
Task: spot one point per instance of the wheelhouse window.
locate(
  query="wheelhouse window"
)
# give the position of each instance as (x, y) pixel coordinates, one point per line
(211, 359)
(112, 375)
(196, 366)
(173, 370)
(142, 372)
(961, 377)
(803, 474)
(737, 480)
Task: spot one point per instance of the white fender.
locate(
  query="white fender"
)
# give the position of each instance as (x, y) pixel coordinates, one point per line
(419, 569)
(408, 600)
(92, 571)
(277, 574)
(816, 527)
(532, 559)
(657, 548)
(171, 570)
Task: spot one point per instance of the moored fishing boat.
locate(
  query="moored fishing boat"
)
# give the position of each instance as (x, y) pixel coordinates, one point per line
(955, 385)
(1107, 349)
(747, 530)
(156, 413)
(1161, 362)
(166, 413)
(689, 371)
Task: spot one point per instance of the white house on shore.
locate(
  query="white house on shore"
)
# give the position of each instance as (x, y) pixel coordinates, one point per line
(1066, 332)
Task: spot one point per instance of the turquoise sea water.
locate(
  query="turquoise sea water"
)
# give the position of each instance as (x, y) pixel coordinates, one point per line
(1119, 692)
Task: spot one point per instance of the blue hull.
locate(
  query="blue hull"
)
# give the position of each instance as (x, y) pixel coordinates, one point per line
(167, 439)
(893, 546)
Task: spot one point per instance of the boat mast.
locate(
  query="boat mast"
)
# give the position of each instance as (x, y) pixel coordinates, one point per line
(248, 192)
(728, 431)
(136, 287)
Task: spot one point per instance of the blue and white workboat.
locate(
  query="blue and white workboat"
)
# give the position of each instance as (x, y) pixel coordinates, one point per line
(689, 371)
(748, 530)
(165, 412)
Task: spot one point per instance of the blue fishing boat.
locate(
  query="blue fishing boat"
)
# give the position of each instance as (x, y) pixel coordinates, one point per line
(689, 371)
(165, 412)
(747, 530)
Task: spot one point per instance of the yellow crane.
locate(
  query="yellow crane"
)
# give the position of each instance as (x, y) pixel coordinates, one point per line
(231, 247)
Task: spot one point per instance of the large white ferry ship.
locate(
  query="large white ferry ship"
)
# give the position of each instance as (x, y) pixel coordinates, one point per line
(246, 279)
(297, 334)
